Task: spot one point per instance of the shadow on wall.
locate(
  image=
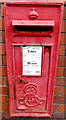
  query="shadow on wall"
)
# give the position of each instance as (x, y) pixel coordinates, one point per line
(28, 118)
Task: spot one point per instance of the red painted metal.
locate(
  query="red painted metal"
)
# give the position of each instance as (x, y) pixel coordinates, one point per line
(29, 26)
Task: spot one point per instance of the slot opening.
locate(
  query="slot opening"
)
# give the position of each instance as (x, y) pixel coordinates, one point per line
(33, 28)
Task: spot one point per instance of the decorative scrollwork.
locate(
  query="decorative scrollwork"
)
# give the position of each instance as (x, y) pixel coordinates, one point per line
(31, 98)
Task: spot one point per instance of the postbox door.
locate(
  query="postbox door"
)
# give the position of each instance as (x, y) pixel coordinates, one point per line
(32, 64)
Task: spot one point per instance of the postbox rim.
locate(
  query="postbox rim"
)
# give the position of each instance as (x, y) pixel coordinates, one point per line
(15, 61)
(34, 3)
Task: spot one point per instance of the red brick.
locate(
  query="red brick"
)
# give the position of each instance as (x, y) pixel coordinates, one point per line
(4, 60)
(59, 99)
(63, 26)
(4, 107)
(4, 90)
(58, 115)
(3, 71)
(60, 81)
(64, 15)
(1, 9)
(63, 38)
(0, 71)
(0, 60)
(62, 108)
(3, 99)
(63, 90)
(62, 50)
(64, 72)
(0, 115)
(61, 61)
(57, 90)
(3, 81)
(5, 114)
(2, 36)
(60, 71)
(55, 107)
(1, 23)
(2, 49)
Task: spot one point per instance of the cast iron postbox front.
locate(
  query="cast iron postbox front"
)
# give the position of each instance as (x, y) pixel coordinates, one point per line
(32, 33)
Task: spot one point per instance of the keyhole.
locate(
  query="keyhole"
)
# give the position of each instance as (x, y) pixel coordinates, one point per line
(21, 81)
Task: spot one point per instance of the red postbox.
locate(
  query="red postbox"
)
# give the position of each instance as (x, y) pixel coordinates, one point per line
(32, 33)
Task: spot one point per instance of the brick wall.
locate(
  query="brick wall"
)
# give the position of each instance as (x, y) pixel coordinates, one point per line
(59, 104)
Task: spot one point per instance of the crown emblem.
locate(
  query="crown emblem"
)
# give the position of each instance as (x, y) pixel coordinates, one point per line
(33, 14)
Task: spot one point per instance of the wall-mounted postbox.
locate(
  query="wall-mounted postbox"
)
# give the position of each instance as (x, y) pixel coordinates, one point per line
(32, 33)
